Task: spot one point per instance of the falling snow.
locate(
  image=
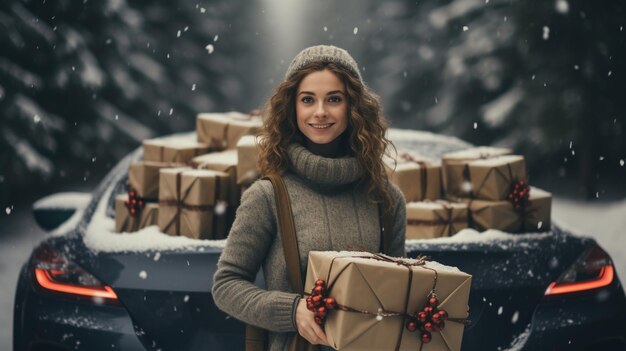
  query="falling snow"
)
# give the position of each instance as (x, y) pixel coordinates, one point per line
(356, 30)
(465, 28)
(8, 210)
(515, 317)
(562, 6)
(209, 48)
(546, 32)
(143, 275)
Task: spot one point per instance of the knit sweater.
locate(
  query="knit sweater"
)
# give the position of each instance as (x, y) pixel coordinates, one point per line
(331, 212)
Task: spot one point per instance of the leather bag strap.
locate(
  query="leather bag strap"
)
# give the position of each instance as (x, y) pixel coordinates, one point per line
(287, 233)
(385, 229)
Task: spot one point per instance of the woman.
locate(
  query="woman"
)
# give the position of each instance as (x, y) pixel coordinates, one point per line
(325, 135)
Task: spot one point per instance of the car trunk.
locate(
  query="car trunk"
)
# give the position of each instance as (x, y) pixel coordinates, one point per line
(168, 295)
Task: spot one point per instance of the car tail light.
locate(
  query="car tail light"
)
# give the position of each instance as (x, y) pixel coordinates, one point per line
(594, 269)
(53, 271)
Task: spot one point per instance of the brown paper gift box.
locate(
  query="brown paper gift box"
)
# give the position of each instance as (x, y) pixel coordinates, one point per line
(427, 220)
(143, 177)
(367, 284)
(172, 150)
(192, 203)
(248, 157)
(454, 170)
(418, 180)
(223, 130)
(503, 216)
(493, 178)
(124, 222)
(223, 161)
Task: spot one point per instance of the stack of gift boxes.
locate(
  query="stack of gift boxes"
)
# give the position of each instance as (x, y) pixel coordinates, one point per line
(482, 188)
(192, 188)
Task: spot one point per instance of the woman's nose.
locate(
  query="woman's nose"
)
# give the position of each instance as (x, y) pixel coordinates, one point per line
(320, 110)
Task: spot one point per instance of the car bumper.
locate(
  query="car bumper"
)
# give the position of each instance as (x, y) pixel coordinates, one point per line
(594, 320)
(46, 321)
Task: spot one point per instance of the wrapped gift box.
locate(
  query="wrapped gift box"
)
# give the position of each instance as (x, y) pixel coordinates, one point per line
(492, 178)
(193, 203)
(143, 177)
(379, 295)
(502, 215)
(455, 173)
(124, 222)
(172, 150)
(418, 178)
(248, 157)
(427, 219)
(223, 161)
(223, 130)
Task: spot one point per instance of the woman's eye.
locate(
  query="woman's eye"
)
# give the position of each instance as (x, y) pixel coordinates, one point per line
(307, 99)
(334, 99)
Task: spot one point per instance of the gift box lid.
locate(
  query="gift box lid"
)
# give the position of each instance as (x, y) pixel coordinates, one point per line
(497, 161)
(229, 117)
(477, 153)
(220, 159)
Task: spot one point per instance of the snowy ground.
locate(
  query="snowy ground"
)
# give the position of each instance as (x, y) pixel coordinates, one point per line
(19, 234)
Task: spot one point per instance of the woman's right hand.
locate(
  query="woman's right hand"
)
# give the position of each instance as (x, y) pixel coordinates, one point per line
(307, 327)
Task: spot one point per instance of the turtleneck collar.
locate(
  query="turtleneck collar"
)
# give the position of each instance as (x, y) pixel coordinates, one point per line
(322, 170)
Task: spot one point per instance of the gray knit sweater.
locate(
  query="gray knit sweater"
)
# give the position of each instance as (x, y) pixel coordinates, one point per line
(330, 213)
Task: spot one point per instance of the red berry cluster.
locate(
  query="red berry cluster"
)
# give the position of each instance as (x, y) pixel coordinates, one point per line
(318, 303)
(428, 320)
(519, 194)
(134, 204)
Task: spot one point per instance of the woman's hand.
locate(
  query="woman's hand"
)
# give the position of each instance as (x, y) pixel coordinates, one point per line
(307, 327)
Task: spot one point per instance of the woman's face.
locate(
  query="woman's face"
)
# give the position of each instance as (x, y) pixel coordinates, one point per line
(322, 107)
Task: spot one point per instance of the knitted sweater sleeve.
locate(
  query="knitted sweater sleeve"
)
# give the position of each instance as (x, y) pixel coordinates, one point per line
(249, 241)
(399, 221)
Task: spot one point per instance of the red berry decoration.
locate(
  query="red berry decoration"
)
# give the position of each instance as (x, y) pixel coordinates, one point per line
(429, 319)
(318, 303)
(519, 194)
(134, 204)
(330, 303)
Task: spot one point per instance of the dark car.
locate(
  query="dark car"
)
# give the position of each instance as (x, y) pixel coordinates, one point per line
(87, 288)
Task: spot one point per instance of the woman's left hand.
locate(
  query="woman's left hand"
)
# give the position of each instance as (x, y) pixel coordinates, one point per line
(307, 327)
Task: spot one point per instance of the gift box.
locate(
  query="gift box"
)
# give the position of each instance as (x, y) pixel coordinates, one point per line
(533, 216)
(172, 150)
(145, 216)
(376, 298)
(455, 173)
(193, 203)
(428, 219)
(143, 177)
(223, 130)
(418, 179)
(223, 161)
(248, 157)
(492, 179)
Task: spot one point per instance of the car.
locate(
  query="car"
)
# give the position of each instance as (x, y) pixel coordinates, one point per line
(85, 287)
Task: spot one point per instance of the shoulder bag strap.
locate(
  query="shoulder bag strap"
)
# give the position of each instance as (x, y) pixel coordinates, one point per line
(385, 229)
(287, 233)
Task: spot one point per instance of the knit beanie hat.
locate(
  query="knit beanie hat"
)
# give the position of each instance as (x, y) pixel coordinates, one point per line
(324, 53)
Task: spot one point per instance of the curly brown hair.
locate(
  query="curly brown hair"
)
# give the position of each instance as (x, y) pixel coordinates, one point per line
(366, 128)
